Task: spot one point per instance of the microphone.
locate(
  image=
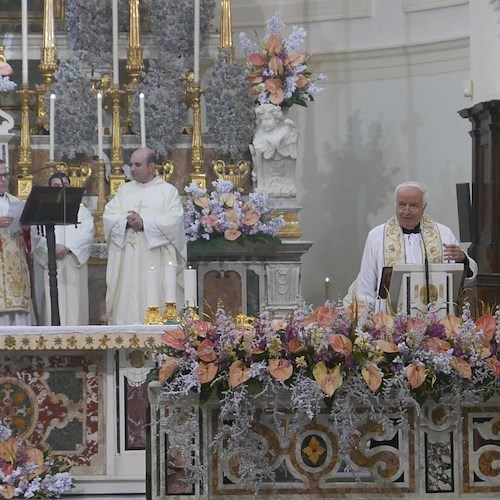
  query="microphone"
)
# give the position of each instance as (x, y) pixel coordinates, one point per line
(41, 169)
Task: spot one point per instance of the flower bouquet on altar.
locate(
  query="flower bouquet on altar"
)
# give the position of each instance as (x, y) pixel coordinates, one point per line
(29, 472)
(341, 359)
(214, 221)
(278, 73)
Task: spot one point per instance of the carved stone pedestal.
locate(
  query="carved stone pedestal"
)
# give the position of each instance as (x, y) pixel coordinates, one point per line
(249, 278)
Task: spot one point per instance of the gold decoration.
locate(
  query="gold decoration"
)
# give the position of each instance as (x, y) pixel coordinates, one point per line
(153, 316)
(137, 358)
(170, 314)
(26, 181)
(245, 322)
(237, 174)
(292, 228)
(117, 178)
(101, 202)
(78, 176)
(135, 60)
(165, 170)
(48, 63)
(193, 97)
(226, 30)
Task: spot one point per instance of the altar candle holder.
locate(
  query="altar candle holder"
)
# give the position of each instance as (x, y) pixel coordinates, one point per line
(153, 316)
(170, 314)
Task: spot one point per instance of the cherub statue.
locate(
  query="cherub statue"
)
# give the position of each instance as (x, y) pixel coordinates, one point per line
(274, 152)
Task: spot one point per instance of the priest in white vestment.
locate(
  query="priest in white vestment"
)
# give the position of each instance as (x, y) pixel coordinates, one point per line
(407, 238)
(15, 289)
(73, 247)
(144, 230)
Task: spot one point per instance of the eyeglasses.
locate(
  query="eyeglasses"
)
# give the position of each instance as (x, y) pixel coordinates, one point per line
(4, 176)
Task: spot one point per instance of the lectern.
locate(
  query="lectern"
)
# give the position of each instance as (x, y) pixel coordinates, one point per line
(409, 288)
(50, 206)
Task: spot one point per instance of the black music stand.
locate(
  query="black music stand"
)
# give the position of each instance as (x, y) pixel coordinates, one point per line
(48, 206)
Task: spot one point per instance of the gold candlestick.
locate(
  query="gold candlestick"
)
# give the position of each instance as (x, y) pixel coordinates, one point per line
(101, 202)
(116, 178)
(170, 314)
(26, 181)
(135, 59)
(48, 63)
(153, 316)
(193, 98)
(226, 30)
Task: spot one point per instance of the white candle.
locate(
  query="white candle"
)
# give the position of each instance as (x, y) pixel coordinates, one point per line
(116, 67)
(51, 126)
(328, 290)
(24, 39)
(152, 288)
(196, 41)
(170, 283)
(143, 120)
(99, 126)
(190, 287)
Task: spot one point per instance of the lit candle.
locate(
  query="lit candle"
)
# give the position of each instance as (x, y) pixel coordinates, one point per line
(116, 67)
(170, 283)
(190, 287)
(196, 41)
(51, 126)
(152, 288)
(24, 39)
(143, 120)
(328, 289)
(99, 126)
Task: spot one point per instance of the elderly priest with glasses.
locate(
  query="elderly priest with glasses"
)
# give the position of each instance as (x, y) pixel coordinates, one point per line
(408, 237)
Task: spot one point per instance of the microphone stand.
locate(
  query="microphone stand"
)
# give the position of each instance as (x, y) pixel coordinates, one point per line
(426, 272)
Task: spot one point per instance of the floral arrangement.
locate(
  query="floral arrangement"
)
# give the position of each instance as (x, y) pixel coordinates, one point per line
(75, 109)
(6, 85)
(28, 472)
(164, 107)
(341, 358)
(89, 28)
(223, 216)
(229, 107)
(278, 73)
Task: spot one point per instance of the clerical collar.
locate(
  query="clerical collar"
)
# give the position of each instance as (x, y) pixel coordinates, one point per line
(415, 230)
